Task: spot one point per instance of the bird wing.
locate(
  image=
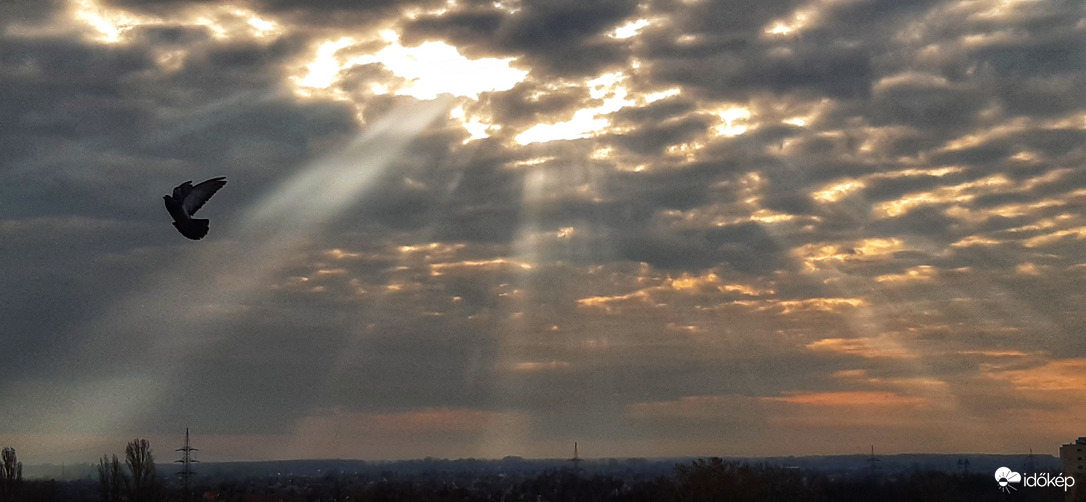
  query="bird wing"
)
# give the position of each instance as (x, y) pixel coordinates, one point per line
(199, 194)
(180, 191)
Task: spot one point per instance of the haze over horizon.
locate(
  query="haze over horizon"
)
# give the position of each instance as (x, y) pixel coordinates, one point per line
(480, 229)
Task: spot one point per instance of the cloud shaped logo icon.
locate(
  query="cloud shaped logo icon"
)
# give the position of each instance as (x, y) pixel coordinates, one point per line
(1005, 476)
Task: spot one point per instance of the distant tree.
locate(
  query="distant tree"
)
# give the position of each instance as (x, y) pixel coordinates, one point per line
(141, 463)
(111, 480)
(11, 474)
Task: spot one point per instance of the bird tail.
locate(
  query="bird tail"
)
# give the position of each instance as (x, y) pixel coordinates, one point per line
(194, 229)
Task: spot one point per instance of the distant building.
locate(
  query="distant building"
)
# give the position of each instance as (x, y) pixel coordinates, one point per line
(1073, 458)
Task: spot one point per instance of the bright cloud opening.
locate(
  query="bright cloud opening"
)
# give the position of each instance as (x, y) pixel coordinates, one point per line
(629, 29)
(610, 88)
(110, 25)
(432, 69)
(732, 121)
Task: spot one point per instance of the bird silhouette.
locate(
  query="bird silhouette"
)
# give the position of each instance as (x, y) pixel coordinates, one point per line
(188, 199)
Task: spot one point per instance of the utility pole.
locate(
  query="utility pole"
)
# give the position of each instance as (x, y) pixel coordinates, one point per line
(186, 461)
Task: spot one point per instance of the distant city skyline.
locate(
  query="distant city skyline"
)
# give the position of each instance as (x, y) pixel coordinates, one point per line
(480, 229)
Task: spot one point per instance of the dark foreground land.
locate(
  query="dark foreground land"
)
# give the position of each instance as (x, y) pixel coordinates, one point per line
(513, 479)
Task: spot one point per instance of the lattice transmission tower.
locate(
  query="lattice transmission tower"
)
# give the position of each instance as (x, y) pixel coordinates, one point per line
(186, 461)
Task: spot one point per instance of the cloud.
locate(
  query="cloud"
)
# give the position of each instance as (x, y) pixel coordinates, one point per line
(864, 347)
(557, 38)
(817, 224)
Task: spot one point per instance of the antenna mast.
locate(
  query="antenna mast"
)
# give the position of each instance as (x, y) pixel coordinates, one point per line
(576, 459)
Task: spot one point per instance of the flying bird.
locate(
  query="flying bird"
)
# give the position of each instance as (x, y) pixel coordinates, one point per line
(188, 199)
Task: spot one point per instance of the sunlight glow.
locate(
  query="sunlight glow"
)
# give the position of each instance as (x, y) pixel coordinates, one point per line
(867, 399)
(324, 67)
(534, 366)
(263, 26)
(730, 121)
(657, 96)
(830, 256)
(963, 192)
(834, 192)
(509, 6)
(111, 24)
(882, 346)
(583, 123)
(222, 21)
(796, 23)
(331, 184)
(1078, 233)
(439, 269)
(610, 88)
(629, 29)
(924, 273)
(430, 69)
(438, 68)
(779, 29)
(269, 236)
(477, 129)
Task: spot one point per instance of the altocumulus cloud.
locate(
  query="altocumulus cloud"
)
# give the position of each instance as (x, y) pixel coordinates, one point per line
(658, 228)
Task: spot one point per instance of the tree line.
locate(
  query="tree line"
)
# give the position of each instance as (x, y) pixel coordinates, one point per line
(137, 484)
(700, 480)
(11, 474)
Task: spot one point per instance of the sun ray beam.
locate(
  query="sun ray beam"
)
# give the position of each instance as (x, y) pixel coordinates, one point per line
(173, 313)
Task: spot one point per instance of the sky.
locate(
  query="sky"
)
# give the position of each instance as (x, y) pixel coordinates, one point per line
(480, 229)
